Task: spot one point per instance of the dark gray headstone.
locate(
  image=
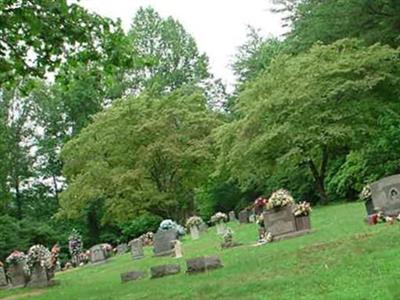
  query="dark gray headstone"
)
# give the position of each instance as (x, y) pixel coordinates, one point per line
(203, 264)
(3, 278)
(38, 277)
(232, 216)
(136, 248)
(386, 195)
(244, 217)
(280, 221)
(164, 270)
(97, 254)
(130, 276)
(17, 275)
(122, 249)
(203, 227)
(162, 245)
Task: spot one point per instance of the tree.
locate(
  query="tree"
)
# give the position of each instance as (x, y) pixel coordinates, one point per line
(255, 55)
(37, 35)
(169, 55)
(144, 154)
(17, 161)
(311, 21)
(305, 110)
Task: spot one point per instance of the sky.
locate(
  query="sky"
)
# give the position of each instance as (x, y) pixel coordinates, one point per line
(218, 26)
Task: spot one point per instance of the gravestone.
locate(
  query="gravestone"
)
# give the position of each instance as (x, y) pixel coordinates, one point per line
(194, 232)
(3, 278)
(203, 264)
(232, 216)
(203, 228)
(122, 249)
(385, 194)
(252, 218)
(178, 253)
(97, 254)
(280, 221)
(130, 276)
(221, 228)
(162, 245)
(38, 277)
(136, 248)
(244, 217)
(17, 275)
(164, 270)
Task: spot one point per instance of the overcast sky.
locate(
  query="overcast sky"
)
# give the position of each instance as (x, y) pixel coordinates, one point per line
(219, 26)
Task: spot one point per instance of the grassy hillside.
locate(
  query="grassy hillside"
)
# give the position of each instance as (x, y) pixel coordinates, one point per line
(342, 259)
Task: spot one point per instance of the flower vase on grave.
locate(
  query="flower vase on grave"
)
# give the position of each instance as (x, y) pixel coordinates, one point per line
(194, 232)
(220, 228)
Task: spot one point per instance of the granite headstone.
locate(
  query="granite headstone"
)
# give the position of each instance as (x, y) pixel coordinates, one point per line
(136, 248)
(280, 221)
(97, 254)
(162, 245)
(385, 194)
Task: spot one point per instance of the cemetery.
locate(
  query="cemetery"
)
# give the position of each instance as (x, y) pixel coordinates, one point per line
(165, 149)
(137, 272)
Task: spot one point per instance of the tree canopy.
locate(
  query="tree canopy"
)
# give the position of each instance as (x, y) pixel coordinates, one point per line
(141, 155)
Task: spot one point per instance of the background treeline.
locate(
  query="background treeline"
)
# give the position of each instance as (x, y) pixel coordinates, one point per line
(110, 131)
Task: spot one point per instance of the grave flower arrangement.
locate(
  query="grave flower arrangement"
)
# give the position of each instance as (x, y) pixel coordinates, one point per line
(16, 257)
(194, 221)
(219, 217)
(302, 209)
(147, 238)
(169, 224)
(366, 193)
(75, 244)
(228, 235)
(39, 254)
(260, 202)
(280, 198)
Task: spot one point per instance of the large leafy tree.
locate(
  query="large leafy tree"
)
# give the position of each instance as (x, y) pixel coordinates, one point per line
(37, 35)
(330, 20)
(168, 53)
(307, 109)
(145, 154)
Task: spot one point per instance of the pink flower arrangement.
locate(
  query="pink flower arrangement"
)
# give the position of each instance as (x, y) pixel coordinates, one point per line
(16, 257)
(261, 202)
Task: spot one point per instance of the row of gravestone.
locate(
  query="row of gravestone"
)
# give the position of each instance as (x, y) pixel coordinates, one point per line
(195, 265)
(164, 245)
(16, 277)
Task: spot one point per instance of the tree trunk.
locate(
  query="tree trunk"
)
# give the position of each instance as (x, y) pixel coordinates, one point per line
(319, 176)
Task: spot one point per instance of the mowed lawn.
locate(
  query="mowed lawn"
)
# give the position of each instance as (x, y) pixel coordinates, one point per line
(342, 259)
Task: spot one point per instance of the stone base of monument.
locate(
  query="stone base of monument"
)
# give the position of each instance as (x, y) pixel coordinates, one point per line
(291, 235)
(131, 276)
(164, 270)
(203, 264)
(282, 224)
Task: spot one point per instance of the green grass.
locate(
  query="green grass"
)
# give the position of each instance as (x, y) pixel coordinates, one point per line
(342, 259)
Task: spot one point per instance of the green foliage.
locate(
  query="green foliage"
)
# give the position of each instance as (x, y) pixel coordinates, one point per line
(286, 123)
(139, 226)
(36, 35)
(142, 154)
(169, 54)
(372, 21)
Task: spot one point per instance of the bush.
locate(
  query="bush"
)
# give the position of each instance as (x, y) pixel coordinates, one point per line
(140, 225)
